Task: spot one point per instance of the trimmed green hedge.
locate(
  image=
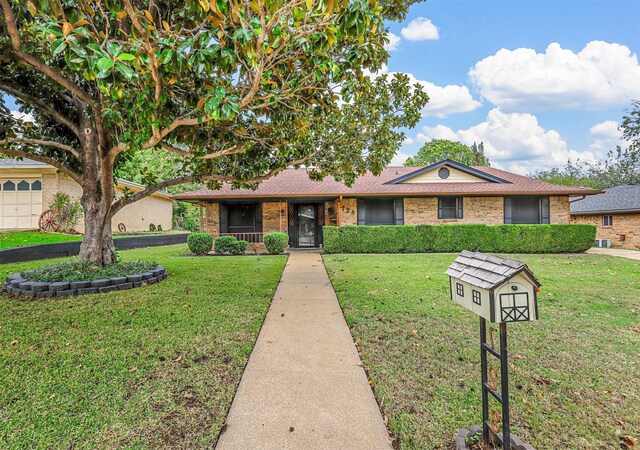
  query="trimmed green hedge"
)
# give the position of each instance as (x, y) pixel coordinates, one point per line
(229, 245)
(445, 238)
(275, 242)
(200, 243)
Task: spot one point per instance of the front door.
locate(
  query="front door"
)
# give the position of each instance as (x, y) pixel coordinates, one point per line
(306, 225)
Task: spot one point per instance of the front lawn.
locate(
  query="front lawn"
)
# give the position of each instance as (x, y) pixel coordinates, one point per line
(10, 239)
(575, 374)
(154, 367)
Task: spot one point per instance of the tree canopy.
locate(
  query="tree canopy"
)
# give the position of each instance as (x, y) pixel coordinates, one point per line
(621, 166)
(236, 90)
(439, 149)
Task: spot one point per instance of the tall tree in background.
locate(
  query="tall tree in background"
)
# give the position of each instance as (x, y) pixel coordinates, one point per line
(238, 90)
(621, 166)
(440, 149)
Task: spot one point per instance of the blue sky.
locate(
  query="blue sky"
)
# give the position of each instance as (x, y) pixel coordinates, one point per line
(538, 81)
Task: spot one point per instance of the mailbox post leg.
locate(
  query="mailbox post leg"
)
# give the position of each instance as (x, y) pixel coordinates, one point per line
(504, 382)
(485, 379)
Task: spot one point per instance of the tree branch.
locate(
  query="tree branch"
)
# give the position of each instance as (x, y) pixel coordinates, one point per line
(66, 148)
(42, 107)
(124, 201)
(43, 159)
(35, 63)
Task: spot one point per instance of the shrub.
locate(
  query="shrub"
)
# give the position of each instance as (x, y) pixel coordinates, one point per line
(276, 242)
(200, 243)
(561, 238)
(152, 227)
(69, 211)
(229, 245)
(83, 271)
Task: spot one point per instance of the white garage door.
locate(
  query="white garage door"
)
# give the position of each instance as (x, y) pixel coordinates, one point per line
(20, 203)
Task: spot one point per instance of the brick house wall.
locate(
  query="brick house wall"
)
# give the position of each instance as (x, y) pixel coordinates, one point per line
(627, 225)
(559, 209)
(424, 210)
(349, 211)
(274, 216)
(136, 217)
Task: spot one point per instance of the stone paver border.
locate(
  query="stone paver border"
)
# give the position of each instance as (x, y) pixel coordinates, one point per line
(16, 284)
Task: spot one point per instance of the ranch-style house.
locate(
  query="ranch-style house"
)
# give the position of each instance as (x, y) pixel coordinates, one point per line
(445, 192)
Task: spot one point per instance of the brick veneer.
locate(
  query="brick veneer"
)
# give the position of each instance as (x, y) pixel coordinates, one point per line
(212, 218)
(424, 210)
(559, 209)
(271, 216)
(623, 224)
(349, 211)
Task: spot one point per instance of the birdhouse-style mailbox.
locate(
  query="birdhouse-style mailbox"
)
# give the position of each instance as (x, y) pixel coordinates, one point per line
(497, 289)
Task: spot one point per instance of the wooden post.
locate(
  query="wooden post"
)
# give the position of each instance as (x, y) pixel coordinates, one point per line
(339, 206)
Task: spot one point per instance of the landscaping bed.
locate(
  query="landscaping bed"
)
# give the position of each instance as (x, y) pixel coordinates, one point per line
(77, 278)
(574, 374)
(141, 368)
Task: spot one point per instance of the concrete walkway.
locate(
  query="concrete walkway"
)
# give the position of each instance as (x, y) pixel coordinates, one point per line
(622, 253)
(304, 386)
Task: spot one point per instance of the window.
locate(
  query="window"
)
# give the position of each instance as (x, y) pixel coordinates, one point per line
(477, 298)
(36, 185)
(460, 289)
(449, 207)
(373, 211)
(526, 209)
(23, 186)
(607, 221)
(444, 173)
(9, 186)
(242, 218)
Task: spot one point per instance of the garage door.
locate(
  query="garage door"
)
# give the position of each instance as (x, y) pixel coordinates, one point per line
(20, 203)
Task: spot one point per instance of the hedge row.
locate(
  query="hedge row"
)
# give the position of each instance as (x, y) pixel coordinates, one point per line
(566, 238)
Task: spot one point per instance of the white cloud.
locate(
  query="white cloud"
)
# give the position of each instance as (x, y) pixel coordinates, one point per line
(407, 141)
(513, 141)
(601, 75)
(24, 117)
(420, 29)
(608, 128)
(443, 100)
(399, 159)
(394, 42)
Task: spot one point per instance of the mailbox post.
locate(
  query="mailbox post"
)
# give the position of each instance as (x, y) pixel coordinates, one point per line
(499, 290)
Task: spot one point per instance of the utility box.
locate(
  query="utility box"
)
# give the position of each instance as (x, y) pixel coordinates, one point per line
(498, 289)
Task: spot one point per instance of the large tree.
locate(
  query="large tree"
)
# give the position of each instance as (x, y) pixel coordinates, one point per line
(238, 90)
(439, 149)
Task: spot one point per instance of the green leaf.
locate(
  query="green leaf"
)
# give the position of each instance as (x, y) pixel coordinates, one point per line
(104, 64)
(125, 70)
(126, 57)
(58, 46)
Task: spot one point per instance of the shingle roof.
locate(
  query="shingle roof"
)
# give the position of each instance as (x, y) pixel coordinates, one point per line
(625, 198)
(486, 271)
(5, 162)
(296, 183)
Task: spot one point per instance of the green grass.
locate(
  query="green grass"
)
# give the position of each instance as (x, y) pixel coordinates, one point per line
(154, 367)
(12, 239)
(574, 375)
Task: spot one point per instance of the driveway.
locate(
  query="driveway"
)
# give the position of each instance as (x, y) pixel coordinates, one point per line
(622, 253)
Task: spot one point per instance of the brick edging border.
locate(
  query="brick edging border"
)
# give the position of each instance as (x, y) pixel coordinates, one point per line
(16, 284)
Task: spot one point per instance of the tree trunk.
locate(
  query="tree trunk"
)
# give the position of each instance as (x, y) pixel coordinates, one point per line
(98, 194)
(97, 244)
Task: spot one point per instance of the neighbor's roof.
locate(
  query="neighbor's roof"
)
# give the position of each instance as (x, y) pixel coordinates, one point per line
(10, 163)
(625, 198)
(296, 183)
(487, 271)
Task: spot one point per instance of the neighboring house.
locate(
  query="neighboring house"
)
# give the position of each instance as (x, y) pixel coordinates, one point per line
(616, 213)
(446, 192)
(27, 188)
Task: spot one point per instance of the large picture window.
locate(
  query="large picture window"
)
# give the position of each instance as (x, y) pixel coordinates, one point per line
(526, 210)
(449, 207)
(240, 218)
(373, 211)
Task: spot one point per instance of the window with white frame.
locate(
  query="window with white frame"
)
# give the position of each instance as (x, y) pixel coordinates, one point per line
(607, 221)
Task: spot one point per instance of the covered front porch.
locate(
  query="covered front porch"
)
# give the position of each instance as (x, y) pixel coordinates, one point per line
(250, 219)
